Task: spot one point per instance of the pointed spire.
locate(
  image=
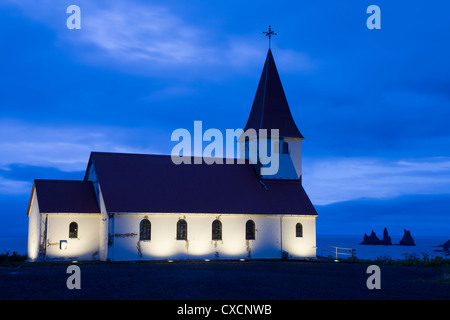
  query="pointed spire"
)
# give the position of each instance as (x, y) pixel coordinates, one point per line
(270, 108)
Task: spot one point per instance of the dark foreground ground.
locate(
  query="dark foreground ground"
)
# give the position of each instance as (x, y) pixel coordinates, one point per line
(223, 280)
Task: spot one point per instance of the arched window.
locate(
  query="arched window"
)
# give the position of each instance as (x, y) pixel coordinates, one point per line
(217, 230)
(250, 230)
(285, 147)
(299, 230)
(145, 230)
(73, 230)
(181, 230)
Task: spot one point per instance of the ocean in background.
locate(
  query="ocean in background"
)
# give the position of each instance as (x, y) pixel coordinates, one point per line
(17, 244)
(424, 245)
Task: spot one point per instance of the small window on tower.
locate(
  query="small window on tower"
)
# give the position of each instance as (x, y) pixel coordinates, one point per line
(285, 147)
(246, 148)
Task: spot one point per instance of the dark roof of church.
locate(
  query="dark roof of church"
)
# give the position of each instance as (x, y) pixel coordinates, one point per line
(64, 196)
(153, 183)
(270, 109)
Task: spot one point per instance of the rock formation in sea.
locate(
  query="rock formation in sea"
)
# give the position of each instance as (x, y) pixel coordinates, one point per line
(386, 239)
(407, 239)
(373, 239)
(446, 246)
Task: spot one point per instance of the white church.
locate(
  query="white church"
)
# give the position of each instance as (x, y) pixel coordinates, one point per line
(133, 207)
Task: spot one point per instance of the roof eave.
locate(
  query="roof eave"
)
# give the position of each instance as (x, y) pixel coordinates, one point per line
(33, 190)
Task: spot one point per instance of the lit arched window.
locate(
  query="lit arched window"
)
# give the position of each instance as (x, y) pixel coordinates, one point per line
(181, 230)
(285, 147)
(73, 230)
(216, 230)
(299, 230)
(145, 230)
(250, 230)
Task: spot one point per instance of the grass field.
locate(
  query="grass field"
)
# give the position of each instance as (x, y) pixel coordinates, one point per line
(222, 280)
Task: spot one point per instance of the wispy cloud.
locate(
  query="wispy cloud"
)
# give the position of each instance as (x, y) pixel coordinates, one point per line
(147, 38)
(62, 147)
(342, 179)
(58, 149)
(144, 32)
(10, 186)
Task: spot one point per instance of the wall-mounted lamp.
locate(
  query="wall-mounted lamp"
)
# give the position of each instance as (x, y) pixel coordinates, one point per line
(63, 244)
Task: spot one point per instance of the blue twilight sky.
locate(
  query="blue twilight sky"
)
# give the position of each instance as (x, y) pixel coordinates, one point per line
(373, 105)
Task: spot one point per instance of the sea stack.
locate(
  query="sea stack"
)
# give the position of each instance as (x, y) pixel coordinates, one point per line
(386, 239)
(446, 246)
(407, 239)
(374, 240)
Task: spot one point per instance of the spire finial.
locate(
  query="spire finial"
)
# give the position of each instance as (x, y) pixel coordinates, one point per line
(270, 33)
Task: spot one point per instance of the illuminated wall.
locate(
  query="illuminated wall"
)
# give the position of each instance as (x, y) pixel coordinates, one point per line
(116, 236)
(103, 228)
(34, 229)
(298, 247)
(274, 234)
(59, 245)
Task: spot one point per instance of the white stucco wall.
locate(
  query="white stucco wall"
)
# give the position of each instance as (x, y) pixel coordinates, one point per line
(116, 236)
(84, 247)
(299, 247)
(103, 228)
(34, 229)
(270, 230)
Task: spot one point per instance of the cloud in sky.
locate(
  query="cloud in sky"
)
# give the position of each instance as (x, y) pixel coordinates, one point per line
(8, 186)
(328, 180)
(59, 146)
(148, 38)
(145, 33)
(41, 151)
(331, 180)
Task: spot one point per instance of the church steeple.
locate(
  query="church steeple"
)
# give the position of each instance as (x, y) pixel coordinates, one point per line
(270, 108)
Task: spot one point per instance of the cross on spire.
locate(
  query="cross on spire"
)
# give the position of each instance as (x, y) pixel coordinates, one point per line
(270, 33)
